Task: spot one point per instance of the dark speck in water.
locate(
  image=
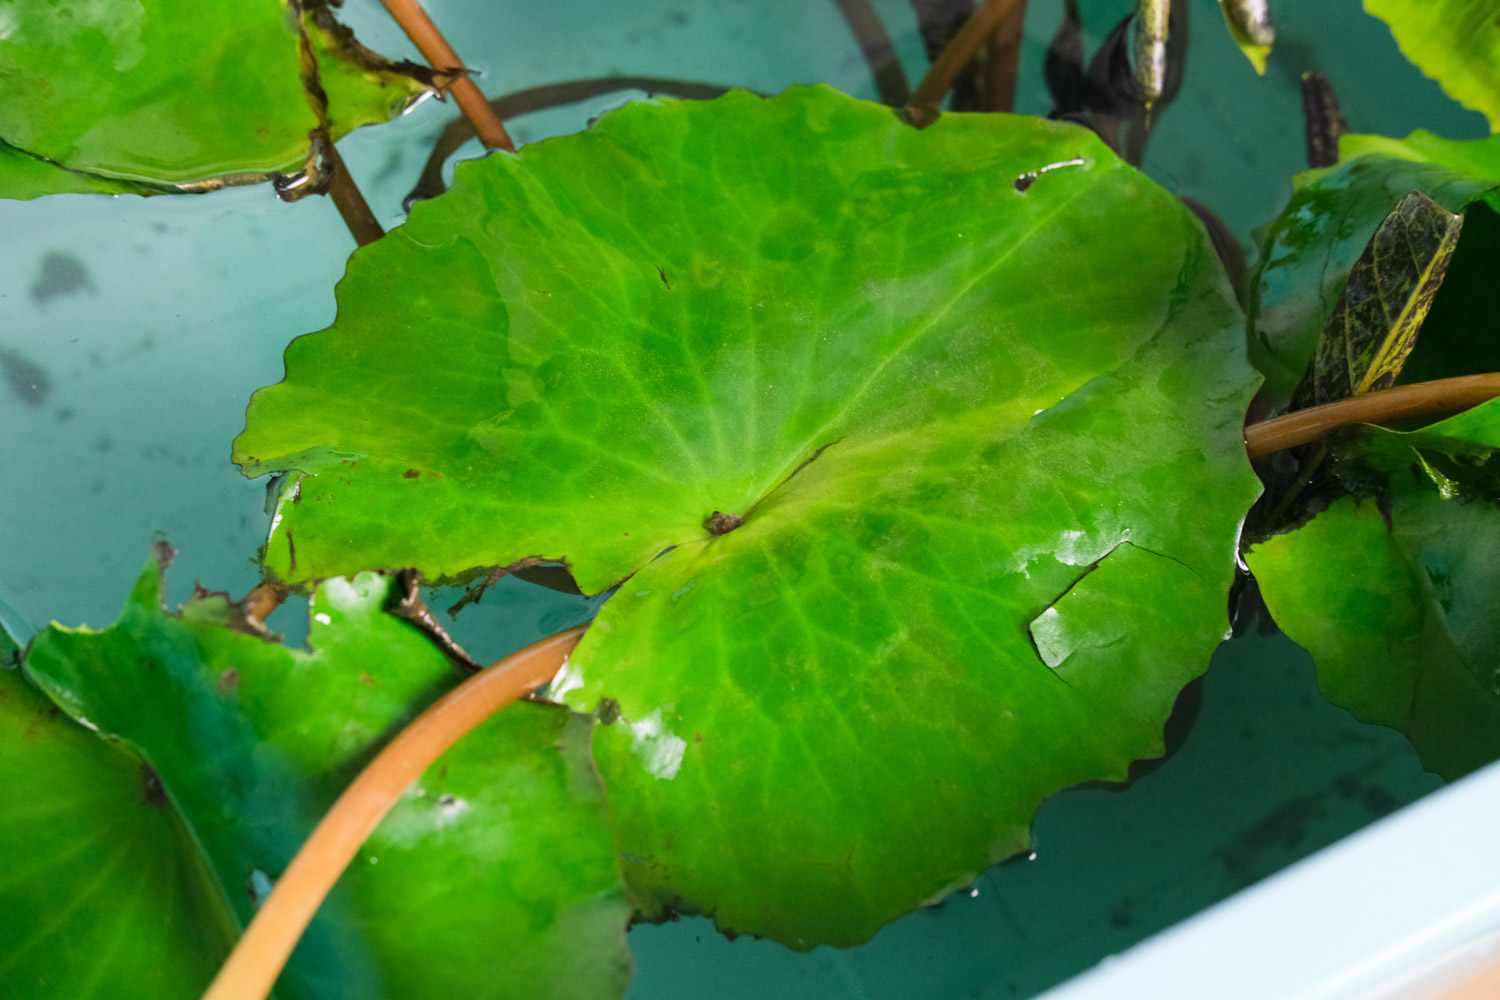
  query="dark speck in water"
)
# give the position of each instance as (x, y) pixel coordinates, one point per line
(26, 380)
(61, 274)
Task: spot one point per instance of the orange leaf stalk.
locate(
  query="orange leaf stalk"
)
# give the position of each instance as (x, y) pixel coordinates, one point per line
(252, 968)
(436, 50)
(1439, 398)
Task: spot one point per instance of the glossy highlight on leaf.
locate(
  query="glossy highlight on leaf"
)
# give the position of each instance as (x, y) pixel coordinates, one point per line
(123, 96)
(1309, 250)
(1380, 312)
(938, 406)
(493, 877)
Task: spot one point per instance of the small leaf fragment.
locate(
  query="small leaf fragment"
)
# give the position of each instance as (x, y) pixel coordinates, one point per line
(1249, 23)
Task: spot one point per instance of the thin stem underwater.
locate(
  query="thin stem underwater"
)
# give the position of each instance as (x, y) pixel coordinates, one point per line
(965, 45)
(252, 968)
(1443, 397)
(436, 50)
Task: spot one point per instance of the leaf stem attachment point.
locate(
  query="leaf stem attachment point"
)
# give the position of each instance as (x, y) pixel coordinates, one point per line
(720, 523)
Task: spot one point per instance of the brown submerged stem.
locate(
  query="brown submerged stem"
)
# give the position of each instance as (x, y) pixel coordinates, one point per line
(262, 951)
(1002, 61)
(350, 202)
(875, 44)
(1424, 399)
(970, 38)
(436, 50)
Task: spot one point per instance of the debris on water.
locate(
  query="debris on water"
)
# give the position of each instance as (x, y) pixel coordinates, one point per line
(28, 381)
(61, 274)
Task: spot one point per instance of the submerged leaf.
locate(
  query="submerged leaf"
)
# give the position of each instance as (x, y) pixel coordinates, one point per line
(1380, 312)
(120, 95)
(886, 402)
(1455, 42)
(494, 876)
(1309, 250)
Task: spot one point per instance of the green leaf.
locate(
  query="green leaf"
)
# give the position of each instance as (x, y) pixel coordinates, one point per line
(1399, 619)
(119, 95)
(1399, 611)
(99, 888)
(953, 421)
(23, 176)
(1380, 312)
(1455, 42)
(1308, 252)
(493, 877)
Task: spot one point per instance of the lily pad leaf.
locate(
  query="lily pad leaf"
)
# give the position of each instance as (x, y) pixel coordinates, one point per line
(1455, 42)
(1399, 609)
(493, 877)
(1309, 251)
(1375, 324)
(100, 887)
(159, 97)
(844, 423)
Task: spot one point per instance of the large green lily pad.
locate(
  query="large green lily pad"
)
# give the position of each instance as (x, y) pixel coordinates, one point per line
(1308, 252)
(1396, 600)
(972, 391)
(1455, 42)
(118, 95)
(493, 877)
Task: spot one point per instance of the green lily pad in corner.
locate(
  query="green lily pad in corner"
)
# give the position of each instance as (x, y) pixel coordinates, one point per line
(1399, 609)
(1309, 250)
(941, 429)
(100, 887)
(1455, 42)
(493, 877)
(123, 96)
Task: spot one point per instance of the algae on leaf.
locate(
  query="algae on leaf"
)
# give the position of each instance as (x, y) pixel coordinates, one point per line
(1389, 292)
(493, 877)
(949, 415)
(1309, 250)
(117, 95)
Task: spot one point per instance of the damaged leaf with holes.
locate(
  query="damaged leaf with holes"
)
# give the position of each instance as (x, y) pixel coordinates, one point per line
(117, 96)
(1393, 590)
(494, 875)
(860, 435)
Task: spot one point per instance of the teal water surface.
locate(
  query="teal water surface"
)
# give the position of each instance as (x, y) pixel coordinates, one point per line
(132, 332)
